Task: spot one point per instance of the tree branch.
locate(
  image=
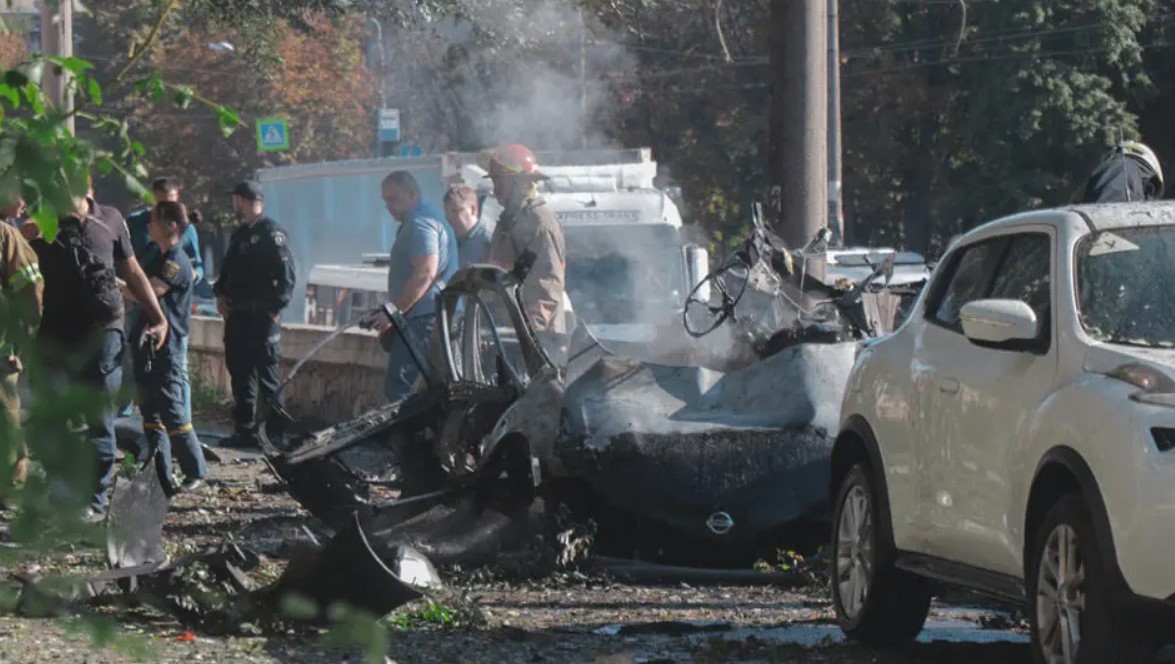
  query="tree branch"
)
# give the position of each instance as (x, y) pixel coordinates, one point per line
(146, 45)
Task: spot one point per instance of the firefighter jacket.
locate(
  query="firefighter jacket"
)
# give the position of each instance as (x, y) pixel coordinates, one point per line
(533, 228)
(20, 279)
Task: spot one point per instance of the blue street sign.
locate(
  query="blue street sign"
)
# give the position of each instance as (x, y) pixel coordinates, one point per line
(273, 134)
(411, 151)
(389, 125)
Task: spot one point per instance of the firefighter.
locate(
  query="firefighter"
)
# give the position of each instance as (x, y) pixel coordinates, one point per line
(528, 224)
(1129, 172)
(22, 288)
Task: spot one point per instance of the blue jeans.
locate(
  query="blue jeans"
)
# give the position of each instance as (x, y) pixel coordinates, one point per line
(104, 372)
(127, 407)
(128, 372)
(161, 400)
(402, 368)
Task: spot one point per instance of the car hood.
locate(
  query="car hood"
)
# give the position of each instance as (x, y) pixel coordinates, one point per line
(1105, 358)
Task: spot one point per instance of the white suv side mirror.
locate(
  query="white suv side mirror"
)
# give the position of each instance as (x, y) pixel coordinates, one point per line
(1007, 324)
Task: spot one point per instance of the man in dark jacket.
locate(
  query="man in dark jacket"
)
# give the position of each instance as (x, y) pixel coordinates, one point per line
(255, 284)
(1130, 172)
(82, 330)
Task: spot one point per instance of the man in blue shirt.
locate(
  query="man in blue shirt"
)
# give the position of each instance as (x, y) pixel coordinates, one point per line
(423, 259)
(473, 234)
(162, 189)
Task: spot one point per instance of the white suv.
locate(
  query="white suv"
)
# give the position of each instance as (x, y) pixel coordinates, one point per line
(1017, 436)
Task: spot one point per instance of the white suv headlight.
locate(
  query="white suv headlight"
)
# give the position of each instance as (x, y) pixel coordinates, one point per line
(1155, 387)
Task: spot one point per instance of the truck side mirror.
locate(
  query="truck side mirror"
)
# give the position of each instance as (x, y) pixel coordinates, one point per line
(697, 262)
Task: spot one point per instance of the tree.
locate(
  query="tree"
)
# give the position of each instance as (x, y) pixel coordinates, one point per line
(950, 122)
(318, 80)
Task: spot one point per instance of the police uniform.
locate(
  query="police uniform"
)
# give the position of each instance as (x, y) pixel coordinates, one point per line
(21, 285)
(534, 228)
(162, 374)
(147, 251)
(257, 278)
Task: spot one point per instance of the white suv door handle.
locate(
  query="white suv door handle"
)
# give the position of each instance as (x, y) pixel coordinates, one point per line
(948, 385)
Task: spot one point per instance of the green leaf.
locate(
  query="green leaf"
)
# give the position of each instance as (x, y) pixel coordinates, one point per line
(94, 89)
(7, 152)
(11, 94)
(138, 148)
(71, 63)
(105, 167)
(136, 187)
(298, 607)
(32, 92)
(157, 89)
(183, 97)
(228, 120)
(46, 220)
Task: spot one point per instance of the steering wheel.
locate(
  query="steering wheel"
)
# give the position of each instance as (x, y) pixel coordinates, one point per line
(718, 313)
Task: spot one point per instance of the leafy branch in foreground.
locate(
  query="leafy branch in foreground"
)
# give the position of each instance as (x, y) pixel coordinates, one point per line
(50, 167)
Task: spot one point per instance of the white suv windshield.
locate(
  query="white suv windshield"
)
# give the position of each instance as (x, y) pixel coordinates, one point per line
(1124, 283)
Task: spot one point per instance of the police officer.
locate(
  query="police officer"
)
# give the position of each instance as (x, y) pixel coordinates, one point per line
(528, 225)
(255, 284)
(162, 189)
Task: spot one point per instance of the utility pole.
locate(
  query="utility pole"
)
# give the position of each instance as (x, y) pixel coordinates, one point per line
(798, 147)
(836, 215)
(583, 119)
(57, 40)
(381, 79)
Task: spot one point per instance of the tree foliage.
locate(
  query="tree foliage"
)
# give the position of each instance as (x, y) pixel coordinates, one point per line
(952, 113)
(318, 80)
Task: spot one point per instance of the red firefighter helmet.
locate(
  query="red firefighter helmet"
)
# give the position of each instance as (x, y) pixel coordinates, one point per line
(513, 159)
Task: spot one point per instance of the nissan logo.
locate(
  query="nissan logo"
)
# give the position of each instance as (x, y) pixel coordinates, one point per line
(720, 523)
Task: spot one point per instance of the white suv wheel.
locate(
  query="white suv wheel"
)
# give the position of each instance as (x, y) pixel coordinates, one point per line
(1074, 617)
(1060, 596)
(875, 602)
(854, 554)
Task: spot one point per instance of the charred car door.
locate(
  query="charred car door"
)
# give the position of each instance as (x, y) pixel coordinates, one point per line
(490, 356)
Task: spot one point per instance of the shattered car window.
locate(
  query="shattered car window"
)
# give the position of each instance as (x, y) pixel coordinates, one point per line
(1124, 285)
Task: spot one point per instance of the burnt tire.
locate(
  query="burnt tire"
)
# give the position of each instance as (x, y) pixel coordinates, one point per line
(1066, 570)
(875, 602)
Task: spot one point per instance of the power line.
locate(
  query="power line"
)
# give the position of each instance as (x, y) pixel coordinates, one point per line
(988, 38)
(995, 58)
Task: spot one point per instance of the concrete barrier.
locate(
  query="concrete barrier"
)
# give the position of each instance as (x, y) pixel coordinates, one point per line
(343, 380)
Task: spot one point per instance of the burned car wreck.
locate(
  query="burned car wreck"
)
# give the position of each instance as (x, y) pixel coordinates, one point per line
(720, 435)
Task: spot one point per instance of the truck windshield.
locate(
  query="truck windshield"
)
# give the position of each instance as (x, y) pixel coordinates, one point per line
(625, 274)
(1124, 283)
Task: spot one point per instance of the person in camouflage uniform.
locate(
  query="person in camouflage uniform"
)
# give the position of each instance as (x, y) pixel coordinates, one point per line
(21, 288)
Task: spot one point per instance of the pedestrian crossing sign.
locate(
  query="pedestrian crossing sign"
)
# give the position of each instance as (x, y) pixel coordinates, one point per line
(272, 134)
